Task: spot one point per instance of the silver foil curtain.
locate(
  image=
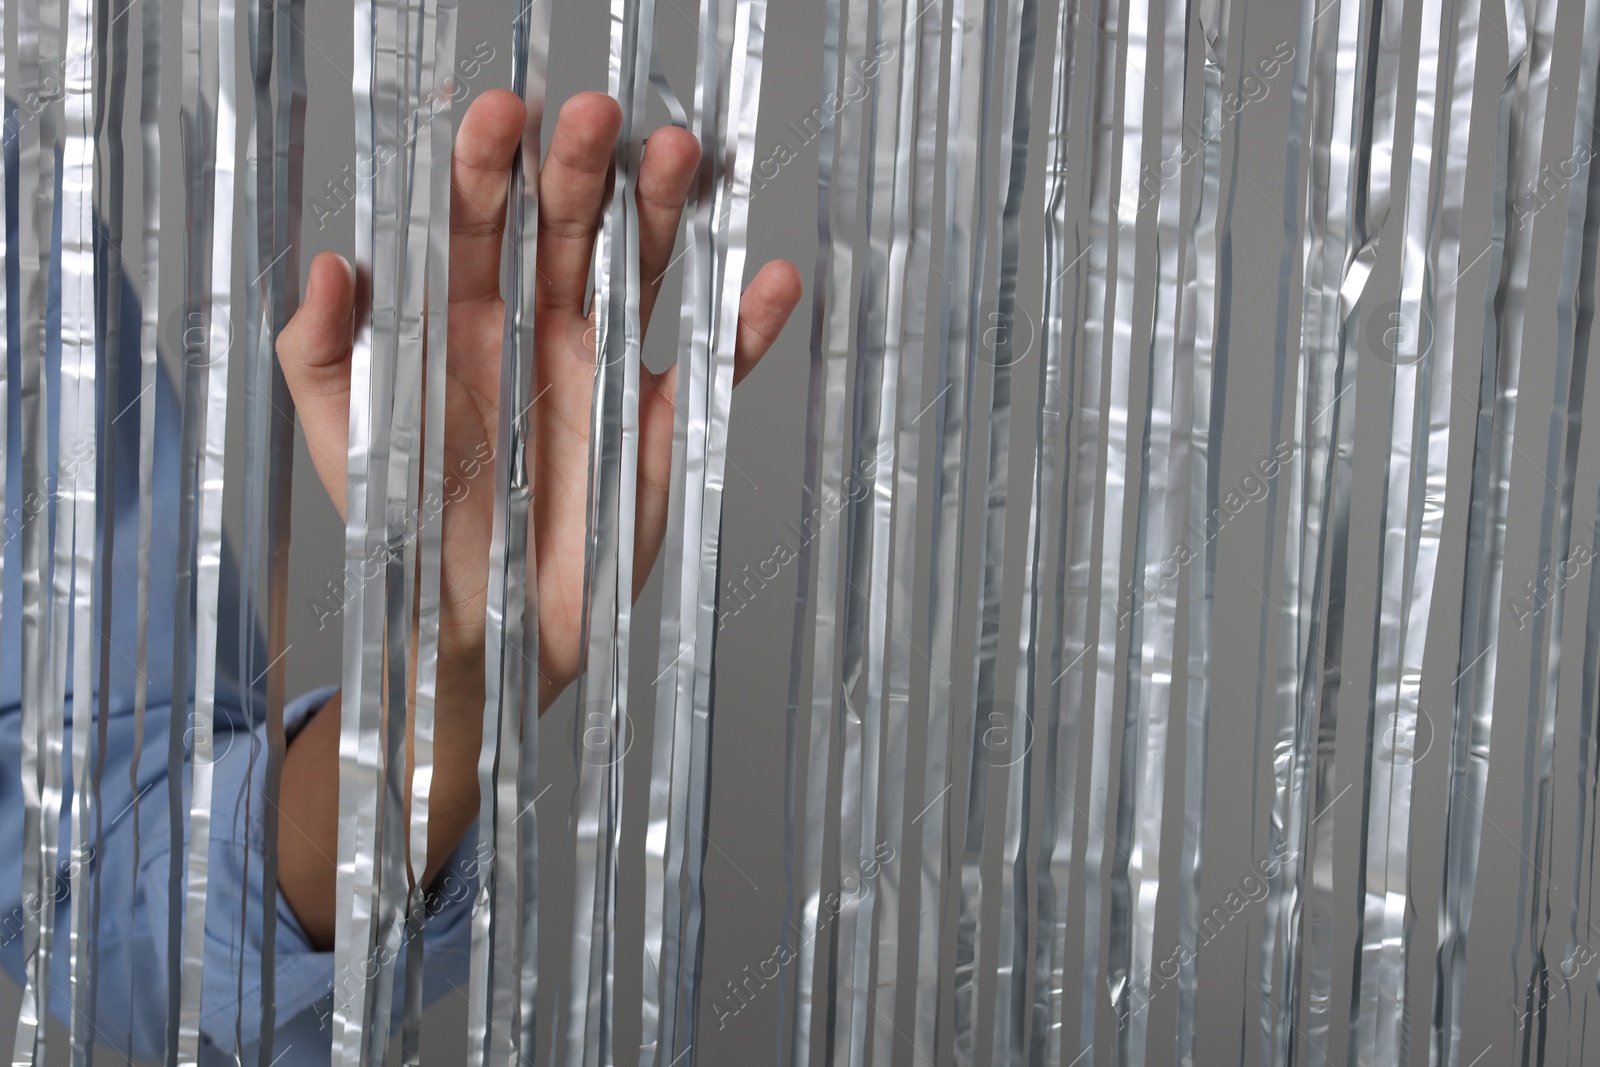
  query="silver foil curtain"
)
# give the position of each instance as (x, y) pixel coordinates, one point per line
(1015, 644)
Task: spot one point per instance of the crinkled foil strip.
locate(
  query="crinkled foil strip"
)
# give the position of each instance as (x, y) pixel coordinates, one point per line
(1164, 461)
(1413, 510)
(1519, 138)
(37, 48)
(1445, 1036)
(1058, 357)
(505, 915)
(1373, 196)
(1203, 334)
(1317, 402)
(866, 562)
(951, 411)
(1118, 356)
(151, 301)
(838, 169)
(75, 483)
(1016, 127)
(608, 570)
(1563, 439)
(371, 402)
(432, 173)
(1576, 311)
(414, 31)
(665, 844)
(982, 325)
(743, 90)
(905, 326)
(278, 48)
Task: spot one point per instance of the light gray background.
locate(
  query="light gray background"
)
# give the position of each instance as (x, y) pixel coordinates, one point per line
(745, 883)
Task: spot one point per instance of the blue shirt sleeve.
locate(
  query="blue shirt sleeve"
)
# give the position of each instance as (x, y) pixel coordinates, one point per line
(132, 865)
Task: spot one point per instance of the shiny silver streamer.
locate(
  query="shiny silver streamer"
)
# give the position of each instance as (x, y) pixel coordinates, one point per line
(433, 161)
(1052, 873)
(844, 44)
(877, 398)
(1520, 131)
(1577, 307)
(504, 974)
(906, 325)
(1013, 55)
(1153, 615)
(75, 481)
(216, 357)
(1011, 935)
(743, 89)
(191, 746)
(1203, 333)
(1117, 348)
(111, 37)
(1334, 268)
(1413, 514)
(280, 127)
(371, 400)
(38, 47)
(415, 30)
(1564, 436)
(151, 302)
(1076, 551)
(665, 845)
(952, 409)
(866, 564)
(1374, 197)
(1294, 245)
(608, 569)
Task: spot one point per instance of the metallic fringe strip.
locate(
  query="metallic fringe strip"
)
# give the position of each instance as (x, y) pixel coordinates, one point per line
(918, 105)
(665, 844)
(743, 107)
(1207, 297)
(281, 138)
(1117, 349)
(75, 481)
(608, 570)
(1164, 459)
(866, 563)
(1580, 314)
(1017, 119)
(432, 170)
(952, 408)
(37, 48)
(1319, 435)
(1565, 435)
(1057, 354)
(371, 397)
(415, 32)
(1520, 123)
(1413, 512)
(1006, 54)
(151, 300)
(840, 160)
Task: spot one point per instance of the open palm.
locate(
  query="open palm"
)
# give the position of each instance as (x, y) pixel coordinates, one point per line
(315, 352)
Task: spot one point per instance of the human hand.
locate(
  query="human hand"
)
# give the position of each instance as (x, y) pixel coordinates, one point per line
(315, 351)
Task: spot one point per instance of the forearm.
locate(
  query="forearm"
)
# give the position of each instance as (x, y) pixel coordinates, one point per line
(308, 838)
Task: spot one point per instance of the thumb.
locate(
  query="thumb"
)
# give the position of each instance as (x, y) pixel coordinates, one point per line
(314, 352)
